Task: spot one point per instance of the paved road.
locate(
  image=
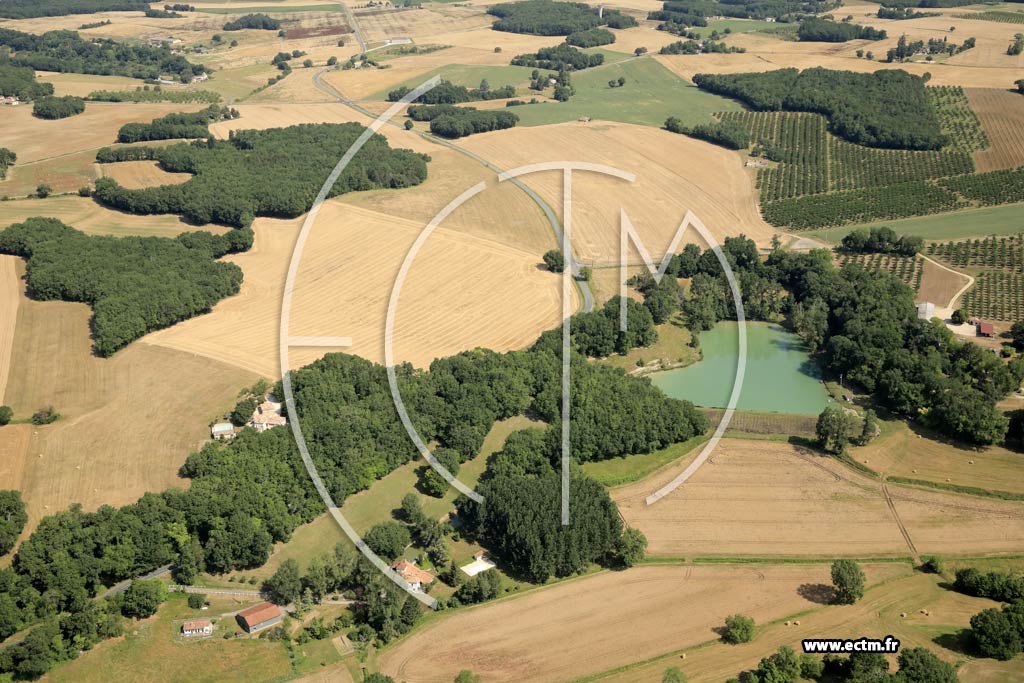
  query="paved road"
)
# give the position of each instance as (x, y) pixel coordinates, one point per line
(351, 19)
(556, 226)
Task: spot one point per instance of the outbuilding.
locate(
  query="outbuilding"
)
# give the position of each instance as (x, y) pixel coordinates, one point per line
(259, 617)
(197, 628)
(986, 329)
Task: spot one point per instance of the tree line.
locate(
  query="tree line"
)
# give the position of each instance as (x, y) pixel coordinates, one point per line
(50, 107)
(67, 52)
(145, 93)
(889, 108)
(728, 134)
(551, 18)
(447, 92)
(177, 125)
(134, 284)
(258, 21)
(881, 240)
(451, 122)
(28, 9)
(20, 81)
(558, 57)
(7, 159)
(816, 29)
(231, 185)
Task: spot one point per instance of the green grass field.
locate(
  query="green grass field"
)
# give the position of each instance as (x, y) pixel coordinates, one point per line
(673, 346)
(651, 94)
(997, 220)
(468, 75)
(270, 9)
(734, 26)
(619, 471)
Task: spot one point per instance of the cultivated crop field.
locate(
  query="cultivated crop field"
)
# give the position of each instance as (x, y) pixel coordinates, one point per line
(773, 499)
(462, 292)
(1005, 253)
(994, 220)
(1002, 116)
(674, 174)
(10, 294)
(94, 454)
(137, 174)
(577, 628)
(906, 268)
(89, 217)
(998, 292)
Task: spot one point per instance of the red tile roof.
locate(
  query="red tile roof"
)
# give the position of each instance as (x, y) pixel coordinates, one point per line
(411, 573)
(257, 614)
(986, 328)
(196, 625)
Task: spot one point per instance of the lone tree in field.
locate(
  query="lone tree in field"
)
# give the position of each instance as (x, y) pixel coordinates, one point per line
(958, 317)
(832, 428)
(285, 585)
(739, 629)
(631, 547)
(848, 580)
(43, 190)
(467, 676)
(868, 429)
(5, 415)
(673, 675)
(554, 260)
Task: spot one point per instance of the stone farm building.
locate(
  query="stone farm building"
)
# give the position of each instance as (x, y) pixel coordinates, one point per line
(222, 430)
(267, 416)
(197, 627)
(417, 578)
(259, 617)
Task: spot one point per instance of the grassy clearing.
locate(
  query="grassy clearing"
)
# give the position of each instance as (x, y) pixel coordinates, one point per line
(671, 350)
(734, 26)
(651, 94)
(619, 471)
(468, 75)
(996, 220)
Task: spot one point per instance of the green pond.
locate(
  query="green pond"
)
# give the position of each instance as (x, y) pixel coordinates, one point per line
(780, 376)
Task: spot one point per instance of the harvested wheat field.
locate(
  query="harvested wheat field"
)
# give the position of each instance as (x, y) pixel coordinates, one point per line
(763, 498)
(90, 217)
(10, 294)
(596, 623)
(33, 139)
(940, 284)
(462, 292)
(81, 85)
(139, 174)
(902, 452)
(65, 173)
(946, 523)
(415, 23)
(128, 422)
(877, 613)
(1002, 116)
(14, 443)
(674, 174)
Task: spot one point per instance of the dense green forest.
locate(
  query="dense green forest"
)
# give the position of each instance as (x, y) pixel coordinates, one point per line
(134, 284)
(901, 13)
(67, 52)
(231, 184)
(888, 108)
(696, 47)
(7, 159)
(20, 81)
(447, 92)
(816, 29)
(551, 18)
(450, 121)
(50, 107)
(26, 9)
(173, 126)
(592, 37)
(723, 133)
(561, 56)
(865, 327)
(694, 12)
(254, 21)
(145, 93)
(12, 520)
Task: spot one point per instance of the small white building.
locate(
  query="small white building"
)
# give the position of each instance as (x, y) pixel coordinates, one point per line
(222, 430)
(197, 628)
(926, 310)
(201, 77)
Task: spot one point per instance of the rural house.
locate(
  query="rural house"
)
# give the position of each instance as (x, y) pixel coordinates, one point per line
(417, 578)
(222, 430)
(267, 415)
(197, 627)
(986, 329)
(259, 617)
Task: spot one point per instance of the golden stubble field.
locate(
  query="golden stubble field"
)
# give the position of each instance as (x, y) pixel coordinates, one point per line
(674, 174)
(758, 498)
(83, 213)
(139, 174)
(597, 623)
(462, 291)
(128, 422)
(1002, 116)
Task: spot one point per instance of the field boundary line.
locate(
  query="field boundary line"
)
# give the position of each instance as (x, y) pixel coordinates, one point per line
(899, 522)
